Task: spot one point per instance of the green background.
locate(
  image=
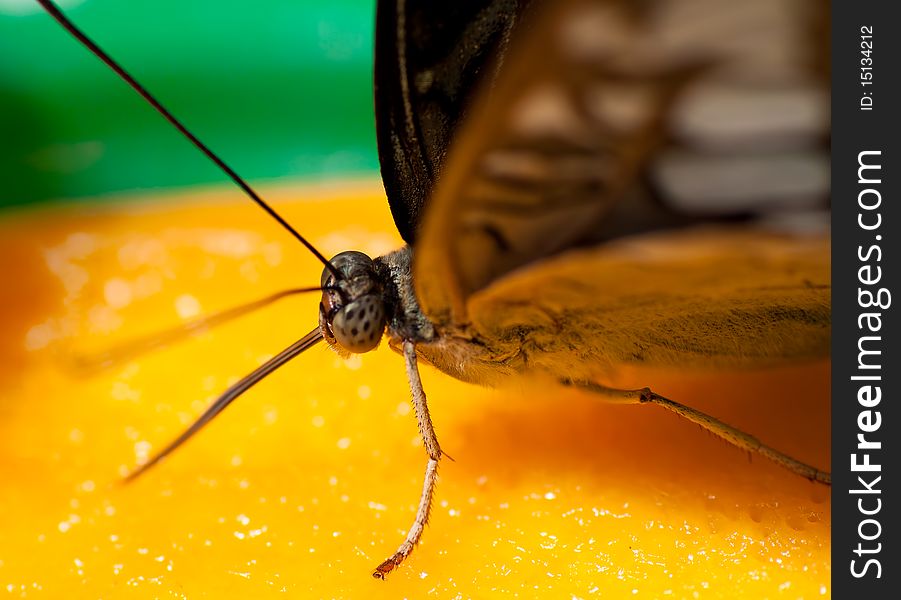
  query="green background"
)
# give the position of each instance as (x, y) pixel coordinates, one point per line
(278, 88)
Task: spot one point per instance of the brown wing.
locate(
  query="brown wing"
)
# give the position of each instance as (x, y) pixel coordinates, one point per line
(706, 297)
(611, 118)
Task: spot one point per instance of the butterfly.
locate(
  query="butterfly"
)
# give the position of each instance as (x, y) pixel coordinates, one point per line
(580, 184)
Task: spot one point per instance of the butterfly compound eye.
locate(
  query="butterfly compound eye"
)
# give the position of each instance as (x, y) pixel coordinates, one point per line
(358, 326)
(352, 312)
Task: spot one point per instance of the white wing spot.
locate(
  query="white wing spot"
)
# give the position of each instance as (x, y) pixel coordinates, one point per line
(546, 110)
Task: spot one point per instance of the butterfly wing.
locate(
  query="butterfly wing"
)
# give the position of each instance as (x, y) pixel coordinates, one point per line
(612, 118)
(429, 59)
(706, 297)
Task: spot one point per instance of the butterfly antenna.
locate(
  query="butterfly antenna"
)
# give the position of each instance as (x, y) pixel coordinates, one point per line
(90, 363)
(60, 18)
(229, 396)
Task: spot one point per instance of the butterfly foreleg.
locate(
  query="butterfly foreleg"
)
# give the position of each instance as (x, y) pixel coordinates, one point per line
(430, 441)
(726, 432)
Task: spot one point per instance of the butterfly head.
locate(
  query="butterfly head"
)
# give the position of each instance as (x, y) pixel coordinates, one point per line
(352, 313)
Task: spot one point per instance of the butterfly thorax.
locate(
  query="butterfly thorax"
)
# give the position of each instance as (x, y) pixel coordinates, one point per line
(406, 321)
(452, 347)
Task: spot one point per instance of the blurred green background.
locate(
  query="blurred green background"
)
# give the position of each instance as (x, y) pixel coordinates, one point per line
(279, 88)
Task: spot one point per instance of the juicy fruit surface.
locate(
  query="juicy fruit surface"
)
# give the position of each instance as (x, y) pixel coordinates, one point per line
(311, 479)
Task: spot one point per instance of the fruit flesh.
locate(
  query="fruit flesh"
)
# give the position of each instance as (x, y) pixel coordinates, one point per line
(311, 479)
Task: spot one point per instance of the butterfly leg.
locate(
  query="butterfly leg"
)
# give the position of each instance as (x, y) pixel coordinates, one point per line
(715, 426)
(430, 441)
